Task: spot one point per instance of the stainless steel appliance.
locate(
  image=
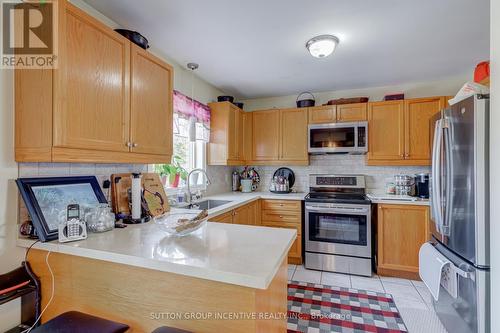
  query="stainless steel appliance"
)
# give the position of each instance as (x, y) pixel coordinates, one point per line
(338, 232)
(422, 185)
(339, 138)
(460, 205)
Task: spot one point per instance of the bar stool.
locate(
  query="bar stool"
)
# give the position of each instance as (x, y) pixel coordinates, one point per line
(78, 322)
(165, 329)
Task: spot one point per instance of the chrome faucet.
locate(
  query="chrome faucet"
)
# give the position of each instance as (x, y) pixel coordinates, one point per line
(189, 194)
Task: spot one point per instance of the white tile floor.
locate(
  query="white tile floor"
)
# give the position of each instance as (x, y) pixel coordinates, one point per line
(412, 297)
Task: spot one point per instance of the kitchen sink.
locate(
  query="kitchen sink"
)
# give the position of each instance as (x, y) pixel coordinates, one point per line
(208, 204)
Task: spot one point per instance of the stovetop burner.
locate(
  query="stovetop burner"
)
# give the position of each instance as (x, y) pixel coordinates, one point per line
(359, 199)
(337, 189)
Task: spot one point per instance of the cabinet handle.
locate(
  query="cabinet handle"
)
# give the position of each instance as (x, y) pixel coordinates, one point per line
(281, 216)
(128, 144)
(135, 144)
(281, 205)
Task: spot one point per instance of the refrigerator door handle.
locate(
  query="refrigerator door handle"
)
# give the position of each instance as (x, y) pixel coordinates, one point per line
(436, 175)
(446, 225)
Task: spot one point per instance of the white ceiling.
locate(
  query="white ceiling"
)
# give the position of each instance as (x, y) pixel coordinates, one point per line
(256, 48)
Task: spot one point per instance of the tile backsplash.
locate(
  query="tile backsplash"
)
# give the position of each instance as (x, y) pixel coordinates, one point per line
(339, 164)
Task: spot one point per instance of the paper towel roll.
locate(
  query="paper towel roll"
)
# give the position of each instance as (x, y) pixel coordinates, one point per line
(136, 195)
(431, 264)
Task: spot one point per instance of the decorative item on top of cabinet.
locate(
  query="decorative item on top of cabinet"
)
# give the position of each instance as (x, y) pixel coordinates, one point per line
(226, 134)
(81, 112)
(400, 132)
(280, 136)
(401, 230)
(285, 214)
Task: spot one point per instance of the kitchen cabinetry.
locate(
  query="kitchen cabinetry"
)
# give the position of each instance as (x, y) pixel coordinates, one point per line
(323, 114)
(285, 214)
(266, 136)
(400, 131)
(248, 214)
(88, 109)
(247, 136)
(226, 135)
(352, 112)
(338, 113)
(401, 231)
(280, 136)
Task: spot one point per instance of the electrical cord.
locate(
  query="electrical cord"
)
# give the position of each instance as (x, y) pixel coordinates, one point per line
(28, 250)
(53, 289)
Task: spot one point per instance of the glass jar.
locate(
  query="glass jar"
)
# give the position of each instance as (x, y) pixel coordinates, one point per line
(99, 218)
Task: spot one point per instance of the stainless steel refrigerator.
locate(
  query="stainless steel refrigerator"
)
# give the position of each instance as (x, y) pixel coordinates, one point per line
(460, 211)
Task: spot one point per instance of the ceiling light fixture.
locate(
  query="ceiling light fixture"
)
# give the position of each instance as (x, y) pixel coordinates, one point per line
(322, 46)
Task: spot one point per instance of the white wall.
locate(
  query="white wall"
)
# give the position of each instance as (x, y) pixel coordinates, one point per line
(10, 255)
(495, 165)
(443, 87)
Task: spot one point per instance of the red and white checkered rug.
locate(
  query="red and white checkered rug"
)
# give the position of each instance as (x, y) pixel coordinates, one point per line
(315, 308)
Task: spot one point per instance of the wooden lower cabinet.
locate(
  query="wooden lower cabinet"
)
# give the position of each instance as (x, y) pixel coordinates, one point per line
(401, 231)
(270, 213)
(248, 214)
(285, 214)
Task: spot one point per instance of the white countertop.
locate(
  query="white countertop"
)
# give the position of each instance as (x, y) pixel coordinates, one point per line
(243, 255)
(383, 198)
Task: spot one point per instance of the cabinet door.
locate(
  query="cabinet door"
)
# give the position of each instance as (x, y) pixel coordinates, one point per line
(322, 114)
(386, 130)
(247, 136)
(232, 135)
(241, 215)
(238, 130)
(418, 131)
(151, 104)
(352, 112)
(293, 141)
(223, 218)
(91, 85)
(402, 229)
(266, 135)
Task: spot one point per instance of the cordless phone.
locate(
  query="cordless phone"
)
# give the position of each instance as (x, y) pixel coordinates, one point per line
(74, 228)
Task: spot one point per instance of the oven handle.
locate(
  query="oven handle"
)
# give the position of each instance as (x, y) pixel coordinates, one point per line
(351, 211)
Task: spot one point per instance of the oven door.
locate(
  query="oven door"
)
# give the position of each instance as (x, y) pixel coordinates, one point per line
(342, 229)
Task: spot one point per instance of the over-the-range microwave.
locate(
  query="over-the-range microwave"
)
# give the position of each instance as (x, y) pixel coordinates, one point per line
(350, 138)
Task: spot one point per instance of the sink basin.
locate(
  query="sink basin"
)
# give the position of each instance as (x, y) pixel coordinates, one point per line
(208, 204)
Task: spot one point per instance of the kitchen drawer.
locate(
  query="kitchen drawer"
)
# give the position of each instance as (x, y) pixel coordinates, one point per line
(285, 225)
(288, 205)
(283, 216)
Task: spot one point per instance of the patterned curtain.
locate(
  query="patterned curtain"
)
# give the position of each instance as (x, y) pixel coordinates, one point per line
(191, 118)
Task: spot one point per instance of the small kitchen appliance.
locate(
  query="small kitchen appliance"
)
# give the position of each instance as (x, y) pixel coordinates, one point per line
(282, 181)
(422, 185)
(346, 138)
(338, 231)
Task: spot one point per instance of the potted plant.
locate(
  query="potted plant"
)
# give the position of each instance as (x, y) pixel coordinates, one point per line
(173, 171)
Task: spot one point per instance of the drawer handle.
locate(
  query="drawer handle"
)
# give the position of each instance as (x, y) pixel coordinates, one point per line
(281, 205)
(281, 216)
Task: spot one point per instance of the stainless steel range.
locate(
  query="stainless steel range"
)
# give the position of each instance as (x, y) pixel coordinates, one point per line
(338, 233)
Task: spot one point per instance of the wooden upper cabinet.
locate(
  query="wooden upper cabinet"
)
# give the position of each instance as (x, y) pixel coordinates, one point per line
(293, 135)
(400, 132)
(386, 131)
(418, 132)
(91, 85)
(266, 136)
(151, 104)
(322, 114)
(401, 230)
(247, 136)
(227, 133)
(352, 112)
(107, 102)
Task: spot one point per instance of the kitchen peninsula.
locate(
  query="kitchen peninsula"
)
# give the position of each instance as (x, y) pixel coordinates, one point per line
(145, 278)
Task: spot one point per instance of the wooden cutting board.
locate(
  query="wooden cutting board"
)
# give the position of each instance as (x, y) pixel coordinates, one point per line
(153, 193)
